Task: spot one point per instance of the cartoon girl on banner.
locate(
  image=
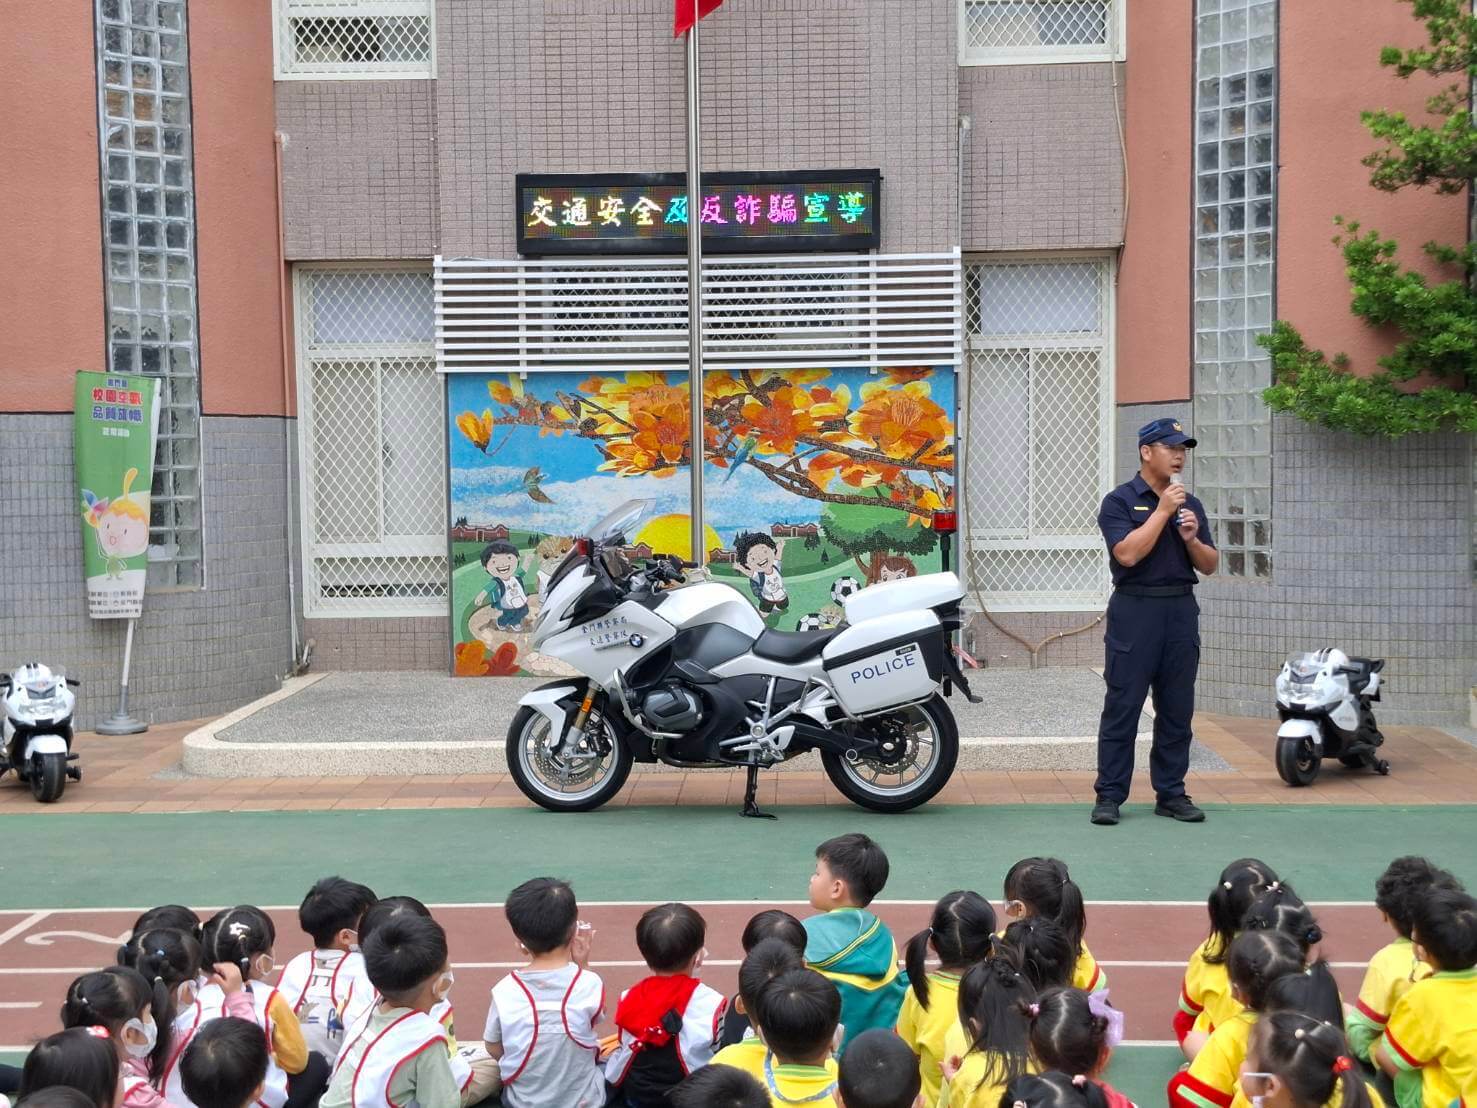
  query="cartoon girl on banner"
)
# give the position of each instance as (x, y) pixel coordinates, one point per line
(122, 526)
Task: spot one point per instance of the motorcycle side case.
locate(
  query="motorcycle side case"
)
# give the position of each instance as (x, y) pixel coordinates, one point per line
(880, 663)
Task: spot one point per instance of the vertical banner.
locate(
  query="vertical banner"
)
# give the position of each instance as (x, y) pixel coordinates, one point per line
(116, 426)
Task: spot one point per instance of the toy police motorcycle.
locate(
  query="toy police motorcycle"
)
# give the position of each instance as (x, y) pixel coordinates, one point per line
(37, 729)
(1323, 700)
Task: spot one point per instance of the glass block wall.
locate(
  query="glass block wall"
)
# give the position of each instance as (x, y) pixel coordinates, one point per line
(1235, 212)
(149, 235)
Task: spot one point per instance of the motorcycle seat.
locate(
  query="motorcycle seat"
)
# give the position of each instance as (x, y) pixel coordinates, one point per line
(792, 646)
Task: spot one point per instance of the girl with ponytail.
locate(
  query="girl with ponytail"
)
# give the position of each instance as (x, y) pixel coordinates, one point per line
(1205, 995)
(961, 933)
(1054, 1090)
(136, 1016)
(1280, 909)
(1074, 1032)
(1296, 1061)
(988, 1047)
(1043, 887)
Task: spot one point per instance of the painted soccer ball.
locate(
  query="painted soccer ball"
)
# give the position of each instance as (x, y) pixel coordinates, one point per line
(844, 587)
(811, 622)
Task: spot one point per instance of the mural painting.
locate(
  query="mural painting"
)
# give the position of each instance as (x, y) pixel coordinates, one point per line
(818, 482)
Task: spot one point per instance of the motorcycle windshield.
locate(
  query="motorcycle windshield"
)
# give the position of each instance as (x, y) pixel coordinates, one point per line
(1303, 665)
(619, 527)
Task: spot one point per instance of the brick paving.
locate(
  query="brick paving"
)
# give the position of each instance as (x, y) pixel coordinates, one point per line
(120, 775)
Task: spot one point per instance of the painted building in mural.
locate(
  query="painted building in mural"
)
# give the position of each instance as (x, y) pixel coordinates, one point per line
(1090, 209)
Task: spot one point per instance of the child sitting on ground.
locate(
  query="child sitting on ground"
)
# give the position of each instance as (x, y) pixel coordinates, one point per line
(796, 1015)
(1433, 1029)
(850, 946)
(769, 959)
(879, 1071)
(1075, 1033)
(541, 1025)
(1042, 950)
(769, 924)
(1394, 967)
(1279, 908)
(961, 932)
(1054, 1090)
(83, 1059)
(667, 1024)
(1205, 995)
(137, 1020)
(398, 1055)
(225, 1065)
(989, 1046)
(719, 1087)
(328, 985)
(1042, 888)
(1296, 1061)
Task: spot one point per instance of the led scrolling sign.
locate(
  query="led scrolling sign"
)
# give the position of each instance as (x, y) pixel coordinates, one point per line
(650, 213)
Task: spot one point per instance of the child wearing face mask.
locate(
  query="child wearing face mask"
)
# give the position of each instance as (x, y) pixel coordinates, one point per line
(138, 1019)
(173, 958)
(245, 936)
(1296, 1061)
(327, 986)
(399, 1054)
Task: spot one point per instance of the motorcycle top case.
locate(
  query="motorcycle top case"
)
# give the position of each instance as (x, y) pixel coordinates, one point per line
(879, 663)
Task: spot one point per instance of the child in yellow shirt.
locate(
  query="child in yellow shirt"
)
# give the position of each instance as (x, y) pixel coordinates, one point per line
(796, 1015)
(988, 1047)
(1296, 1061)
(1043, 952)
(961, 933)
(1043, 887)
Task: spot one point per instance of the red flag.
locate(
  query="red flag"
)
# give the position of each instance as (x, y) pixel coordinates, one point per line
(689, 12)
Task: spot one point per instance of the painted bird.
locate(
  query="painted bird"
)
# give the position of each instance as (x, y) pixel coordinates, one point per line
(746, 448)
(531, 481)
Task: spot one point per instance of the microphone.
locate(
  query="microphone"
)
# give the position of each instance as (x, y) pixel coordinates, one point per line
(1179, 480)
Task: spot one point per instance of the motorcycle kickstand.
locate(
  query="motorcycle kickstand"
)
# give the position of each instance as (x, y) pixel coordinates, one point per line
(751, 789)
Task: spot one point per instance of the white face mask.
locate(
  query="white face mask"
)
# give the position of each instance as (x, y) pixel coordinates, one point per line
(150, 1032)
(186, 994)
(264, 965)
(443, 985)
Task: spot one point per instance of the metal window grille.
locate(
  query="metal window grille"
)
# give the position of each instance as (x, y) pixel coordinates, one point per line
(149, 230)
(850, 310)
(348, 39)
(1235, 186)
(1005, 32)
(1037, 445)
(371, 436)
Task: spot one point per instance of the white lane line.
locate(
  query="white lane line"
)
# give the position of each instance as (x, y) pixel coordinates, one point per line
(19, 1004)
(24, 925)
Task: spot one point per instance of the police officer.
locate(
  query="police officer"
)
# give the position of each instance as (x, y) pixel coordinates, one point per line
(1157, 537)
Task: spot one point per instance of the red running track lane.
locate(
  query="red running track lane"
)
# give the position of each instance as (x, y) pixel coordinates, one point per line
(1143, 947)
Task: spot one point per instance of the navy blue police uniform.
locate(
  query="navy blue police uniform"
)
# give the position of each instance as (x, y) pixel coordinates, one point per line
(1153, 637)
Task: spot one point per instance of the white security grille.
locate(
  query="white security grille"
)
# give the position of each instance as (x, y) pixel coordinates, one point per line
(371, 437)
(1005, 32)
(338, 39)
(1037, 443)
(848, 310)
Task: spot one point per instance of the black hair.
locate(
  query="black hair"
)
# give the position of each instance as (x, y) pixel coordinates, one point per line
(768, 959)
(60, 1096)
(174, 916)
(961, 933)
(1055, 1090)
(404, 953)
(747, 541)
(388, 908)
(879, 1070)
(333, 905)
(992, 999)
(497, 546)
(859, 862)
(77, 1059)
(224, 1064)
(1044, 951)
(774, 923)
(798, 1012)
(1279, 908)
(1311, 1058)
(164, 954)
(1404, 881)
(670, 936)
(542, 913)
(719, 1086)
(1045, 887)
(237, 935)
(1446, 929)
(1313, 992)
(1259, 958)
(1066, 1034)
(111, 997)
(1239, 885)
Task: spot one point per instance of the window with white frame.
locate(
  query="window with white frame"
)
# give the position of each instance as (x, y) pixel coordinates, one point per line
(1019, 32)
(371, 437)
(1037, 431)
(345, 39)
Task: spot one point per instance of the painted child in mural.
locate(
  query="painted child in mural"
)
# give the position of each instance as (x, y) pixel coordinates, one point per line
(895, 567)
(504, 592)
(757, 557)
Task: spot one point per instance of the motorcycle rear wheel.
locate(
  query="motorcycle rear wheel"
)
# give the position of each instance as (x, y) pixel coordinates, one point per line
(932, 752)
(535, 771)
(1297, 762)
(48, 777)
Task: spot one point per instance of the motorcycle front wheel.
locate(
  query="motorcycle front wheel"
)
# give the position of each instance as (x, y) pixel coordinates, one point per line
(48, 777)
(1297, 761)
(577, 785)
(930, 749)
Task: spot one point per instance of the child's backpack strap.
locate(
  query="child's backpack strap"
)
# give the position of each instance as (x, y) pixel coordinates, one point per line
(701, 1025)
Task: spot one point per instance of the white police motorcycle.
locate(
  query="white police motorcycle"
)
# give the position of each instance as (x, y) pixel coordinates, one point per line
(36, 732)
(1323, 700)
(690, 676)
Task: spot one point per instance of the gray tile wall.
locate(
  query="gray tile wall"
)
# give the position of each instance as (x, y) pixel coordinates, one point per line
(419, 642)
(1043, 163)
(196, 653)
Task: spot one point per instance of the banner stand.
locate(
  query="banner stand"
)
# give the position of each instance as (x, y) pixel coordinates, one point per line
(120, 722)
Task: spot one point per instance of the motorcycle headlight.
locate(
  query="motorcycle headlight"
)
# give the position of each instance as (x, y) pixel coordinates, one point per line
(30, 708)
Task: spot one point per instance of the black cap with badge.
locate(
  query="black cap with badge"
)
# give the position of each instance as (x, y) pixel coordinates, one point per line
(1166, 431)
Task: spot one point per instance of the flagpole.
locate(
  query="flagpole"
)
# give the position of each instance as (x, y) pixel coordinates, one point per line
(695, 291)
